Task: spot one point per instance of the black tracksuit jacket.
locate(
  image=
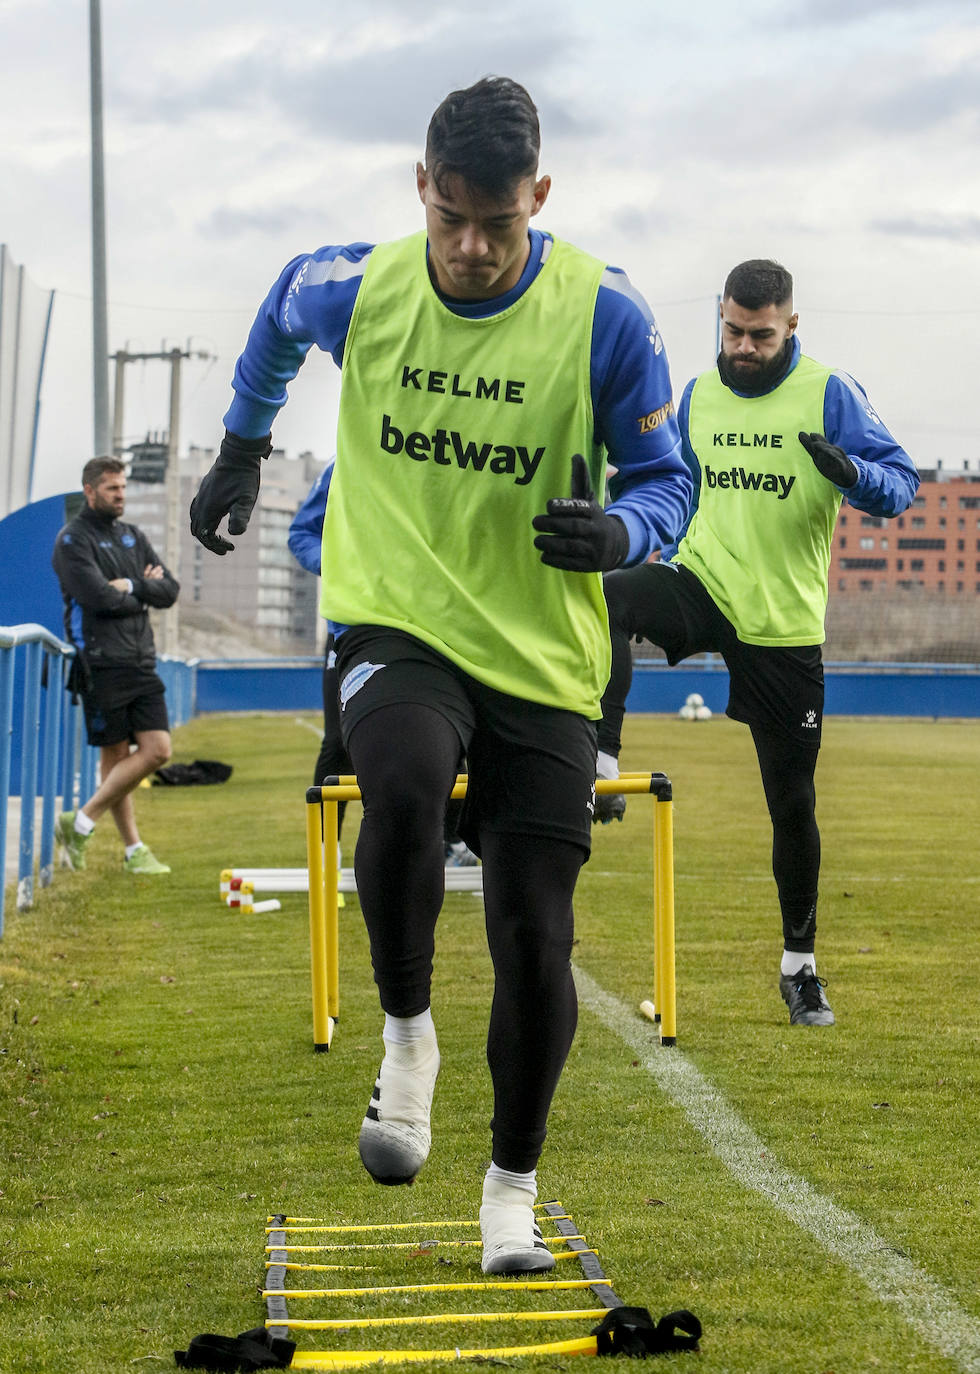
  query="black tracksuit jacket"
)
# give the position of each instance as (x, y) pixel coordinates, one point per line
(110, 627)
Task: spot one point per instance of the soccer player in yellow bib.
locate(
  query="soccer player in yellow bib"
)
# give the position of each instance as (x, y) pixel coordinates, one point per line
(774, 441)
(488, 368)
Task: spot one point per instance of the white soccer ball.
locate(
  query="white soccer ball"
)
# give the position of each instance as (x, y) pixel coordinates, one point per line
(694, 708)
(692, 705)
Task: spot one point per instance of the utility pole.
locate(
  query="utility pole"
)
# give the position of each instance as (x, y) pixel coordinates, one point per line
(170, 620)
(100, 331)
(120, 359)
(171, 554)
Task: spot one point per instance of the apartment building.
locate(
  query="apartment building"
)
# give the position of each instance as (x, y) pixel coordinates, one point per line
(934, 546)
(260, 585)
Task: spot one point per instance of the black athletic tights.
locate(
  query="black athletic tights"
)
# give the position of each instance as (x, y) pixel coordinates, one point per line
(406, 757)
(787, 777)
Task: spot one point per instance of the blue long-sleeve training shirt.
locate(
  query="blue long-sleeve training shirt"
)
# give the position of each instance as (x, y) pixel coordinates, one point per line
(887, 478)
(305, 538)
(312, 301)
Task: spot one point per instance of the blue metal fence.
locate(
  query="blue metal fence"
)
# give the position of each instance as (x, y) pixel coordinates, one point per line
(43, 752)
(49, 760)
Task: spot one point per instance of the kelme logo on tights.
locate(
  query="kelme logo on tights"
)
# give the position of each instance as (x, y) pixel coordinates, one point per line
(738, 479)
(448, 448)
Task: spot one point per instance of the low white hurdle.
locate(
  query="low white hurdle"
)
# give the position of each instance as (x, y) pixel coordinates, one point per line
(242, 898)
(298, 880)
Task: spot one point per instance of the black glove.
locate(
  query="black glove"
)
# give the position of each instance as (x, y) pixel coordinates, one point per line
(829, 460)
(230, 488)
(609, 806)
(577, 535)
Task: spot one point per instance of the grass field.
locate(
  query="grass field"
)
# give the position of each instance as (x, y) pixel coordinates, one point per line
(811, 1195)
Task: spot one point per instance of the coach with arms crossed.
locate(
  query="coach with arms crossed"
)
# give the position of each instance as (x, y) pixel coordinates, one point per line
(478, 358)
(109, 577)
(774, 441)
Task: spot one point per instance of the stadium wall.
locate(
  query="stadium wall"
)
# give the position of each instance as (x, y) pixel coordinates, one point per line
(859, 690)
(866, 690)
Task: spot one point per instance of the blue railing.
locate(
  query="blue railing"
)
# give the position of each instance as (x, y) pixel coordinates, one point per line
(51, 760)
(43, 751)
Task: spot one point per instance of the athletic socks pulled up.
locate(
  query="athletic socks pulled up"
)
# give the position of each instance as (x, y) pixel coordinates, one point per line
(395, 1136)
(512, 1242)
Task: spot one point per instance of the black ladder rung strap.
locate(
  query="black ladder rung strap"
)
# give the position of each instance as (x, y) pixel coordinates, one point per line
(588, 1260)
(276, 1305)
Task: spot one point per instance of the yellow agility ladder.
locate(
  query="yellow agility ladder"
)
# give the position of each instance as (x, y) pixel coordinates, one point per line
(281, 1252)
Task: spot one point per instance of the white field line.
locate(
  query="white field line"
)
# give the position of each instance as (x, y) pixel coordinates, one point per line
(308, 725)
(922, 1302)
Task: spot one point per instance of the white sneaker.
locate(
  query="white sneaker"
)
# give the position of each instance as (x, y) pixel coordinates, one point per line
(512, 1242)
(395, 1136)
(459, 855)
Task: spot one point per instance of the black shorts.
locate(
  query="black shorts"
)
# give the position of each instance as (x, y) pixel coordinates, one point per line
(531, 767)
(776, 689)
(121, 703)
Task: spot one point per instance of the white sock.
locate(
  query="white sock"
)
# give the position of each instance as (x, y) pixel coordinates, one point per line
(83, 824)
(793, 961)
(528, 1182)
(606, 766)
(132, 848)
(408, 1030)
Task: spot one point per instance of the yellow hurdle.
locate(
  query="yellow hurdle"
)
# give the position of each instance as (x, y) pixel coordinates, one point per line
(321, 849)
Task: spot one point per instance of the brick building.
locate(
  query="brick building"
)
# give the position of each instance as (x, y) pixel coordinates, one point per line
(935, 545)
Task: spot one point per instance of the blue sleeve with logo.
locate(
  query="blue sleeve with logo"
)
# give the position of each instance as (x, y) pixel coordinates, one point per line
(310, 303)
(887, 478)
(634, 411)
(693, 467)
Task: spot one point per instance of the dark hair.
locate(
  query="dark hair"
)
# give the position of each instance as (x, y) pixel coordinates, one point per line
(757, 283)
(488, 135)
(96, 468)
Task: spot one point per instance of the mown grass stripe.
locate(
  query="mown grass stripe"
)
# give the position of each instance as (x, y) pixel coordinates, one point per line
(922, 1302)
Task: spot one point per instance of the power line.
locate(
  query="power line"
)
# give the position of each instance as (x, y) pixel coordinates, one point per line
(170, 309)
(902, 314)
(659, 305)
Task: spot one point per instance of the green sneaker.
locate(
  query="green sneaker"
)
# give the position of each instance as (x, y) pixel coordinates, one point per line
(143, 861)
(71, 842)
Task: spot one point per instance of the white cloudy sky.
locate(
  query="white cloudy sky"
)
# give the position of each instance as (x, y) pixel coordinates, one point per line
(840, 136)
